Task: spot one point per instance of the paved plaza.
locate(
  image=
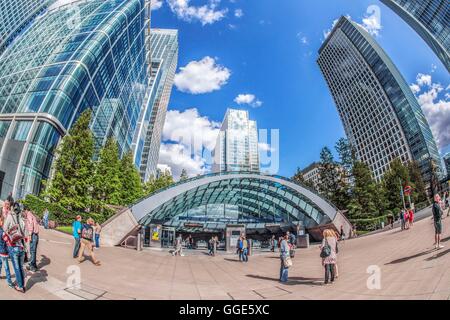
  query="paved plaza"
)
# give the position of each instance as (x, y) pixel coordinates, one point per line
(410, 269)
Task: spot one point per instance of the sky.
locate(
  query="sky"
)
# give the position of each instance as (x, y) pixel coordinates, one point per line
(260, 56)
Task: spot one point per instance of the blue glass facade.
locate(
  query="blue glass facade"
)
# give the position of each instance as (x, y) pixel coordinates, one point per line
(381, 116)
(85, 54)
(430, 19)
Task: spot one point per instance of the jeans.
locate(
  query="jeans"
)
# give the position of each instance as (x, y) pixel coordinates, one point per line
(402, 224)
(45, 223)
(4, 261)
(17, 256)
(76, 248)
(245, 255)
(33, 249)
(97, 241)
(283, 270)
(329, 272)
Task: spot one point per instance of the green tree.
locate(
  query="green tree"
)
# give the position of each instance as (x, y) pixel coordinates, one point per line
(365, 194)
(131, 185)
(329, 182)
(154, 184)
(298, 177)
(107, 179)
(183, 176)
(419, 192)
(346, 154)
(394, 179)
(73, 168)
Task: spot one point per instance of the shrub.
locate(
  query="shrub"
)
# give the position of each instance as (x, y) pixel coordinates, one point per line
(370, 224)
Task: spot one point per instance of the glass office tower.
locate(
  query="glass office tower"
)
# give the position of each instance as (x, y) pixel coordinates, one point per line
(164, 57)
(237, 143)
(430, 19)
(78, 55)
(381, 116)
(16, 15)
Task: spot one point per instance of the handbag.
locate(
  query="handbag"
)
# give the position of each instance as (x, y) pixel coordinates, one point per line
(326, 250)
(287, 262)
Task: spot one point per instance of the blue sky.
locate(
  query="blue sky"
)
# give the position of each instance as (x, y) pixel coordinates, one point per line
(268, 49)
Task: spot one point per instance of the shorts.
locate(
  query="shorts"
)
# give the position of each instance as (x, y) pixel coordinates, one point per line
(438, 227)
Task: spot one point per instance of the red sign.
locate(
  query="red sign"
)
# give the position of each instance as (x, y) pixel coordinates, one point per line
(408, 190)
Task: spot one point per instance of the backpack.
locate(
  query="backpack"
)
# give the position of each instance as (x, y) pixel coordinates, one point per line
(15, 233)
(87, 232)
(326, 250)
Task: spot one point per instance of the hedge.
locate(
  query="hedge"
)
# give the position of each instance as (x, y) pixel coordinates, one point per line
(369, 224)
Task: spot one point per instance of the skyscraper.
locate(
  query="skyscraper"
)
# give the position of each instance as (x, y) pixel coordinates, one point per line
(430, 19)
(76, 56)
(237, 144)
(381, 116)
(164, 57)
(16, 15)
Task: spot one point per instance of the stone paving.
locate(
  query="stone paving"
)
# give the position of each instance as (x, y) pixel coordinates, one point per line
(410, 268)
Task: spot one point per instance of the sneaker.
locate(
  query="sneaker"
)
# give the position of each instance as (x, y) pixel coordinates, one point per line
(22, 290)
(440, 246)
(11, 285)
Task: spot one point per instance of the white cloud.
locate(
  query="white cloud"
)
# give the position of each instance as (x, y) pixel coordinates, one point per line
(201, 76)
(327, 32)
(206, 14)
(188, 139)
(302, 38)
(372, 24)
(249, 99)
(435, 103)
(238, 13)
(423, 79)
(156, 4)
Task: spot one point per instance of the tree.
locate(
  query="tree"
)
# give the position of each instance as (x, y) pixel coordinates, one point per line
(346, 154)
(131, 185)
(330, 178)
(365, 195)
(394, 179)
(73, 168)
(183, 176)
(107, 179)
(298, 177)
(154, 184)
(419, 192)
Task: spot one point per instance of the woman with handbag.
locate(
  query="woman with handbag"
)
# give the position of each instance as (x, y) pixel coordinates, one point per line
(328, 255)
(285, 258)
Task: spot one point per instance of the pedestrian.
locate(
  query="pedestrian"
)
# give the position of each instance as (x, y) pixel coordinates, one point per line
(285, 259)
(45, 218)
(10, 198)
(211, 246)
(437, 217)
(328, 255)
(215, 243)
(178, 246)
(354, 233)
(4, 256)
(272, 243)
(97, 230)
(410, 216)
(15, 233)
(87, 241)
(76, 232)
(402, 219)
(244, 249)
(32, 227)
(406, 216)
(240, 244)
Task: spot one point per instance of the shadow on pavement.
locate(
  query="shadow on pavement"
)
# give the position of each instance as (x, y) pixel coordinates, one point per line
(404, 259)
(232, 260)
(445, 239)
(45, 261)
(438, 255)
(292, 280)
(36, 277)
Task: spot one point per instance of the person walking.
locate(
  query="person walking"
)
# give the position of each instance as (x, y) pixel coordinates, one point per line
(211, 246)
(406, 216)
(45, 218)
(410, 216)
(15, 234)
(342, 234)
(328, 255)
(272, 243)
(4, 256)
(87, 241)
(284, 259)
(178, 246)
(240, 247)
(76, 232)
(215, 244)
(97, 230)
(244, 249)
(402, 219)
(437, 218)
(32, 227)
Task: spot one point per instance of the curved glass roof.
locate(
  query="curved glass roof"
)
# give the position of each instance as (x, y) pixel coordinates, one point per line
(215, 200)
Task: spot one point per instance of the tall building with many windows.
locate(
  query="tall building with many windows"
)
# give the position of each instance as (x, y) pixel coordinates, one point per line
(237, 144)
(164, 58)
(16, 15)
(77, 55)
(430, 19)
(381, 116)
